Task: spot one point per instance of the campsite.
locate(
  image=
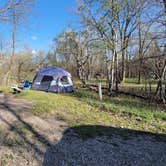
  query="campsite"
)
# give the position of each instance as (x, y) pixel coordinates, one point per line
(86, 87)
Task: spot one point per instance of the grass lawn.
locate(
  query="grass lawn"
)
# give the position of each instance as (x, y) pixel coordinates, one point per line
(131, 86)
(83, 108)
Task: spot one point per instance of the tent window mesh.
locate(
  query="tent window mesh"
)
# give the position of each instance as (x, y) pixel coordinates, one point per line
(64, 80)
(47, 79)
(46, 82)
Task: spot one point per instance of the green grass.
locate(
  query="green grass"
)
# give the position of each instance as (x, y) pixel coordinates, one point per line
(135, 81)
(127, 81)
(131, 85)
(84, 108)
(124, 105)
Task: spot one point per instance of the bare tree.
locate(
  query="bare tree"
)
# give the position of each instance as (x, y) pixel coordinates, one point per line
(71, 44)
(161, 66)
(20, 7)
(127, 20)
(115, 21)
(14, 12)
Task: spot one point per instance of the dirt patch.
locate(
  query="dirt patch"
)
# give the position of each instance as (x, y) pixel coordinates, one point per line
(24, 136)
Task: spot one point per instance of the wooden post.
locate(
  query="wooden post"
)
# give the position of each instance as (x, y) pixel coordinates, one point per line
(100, 91)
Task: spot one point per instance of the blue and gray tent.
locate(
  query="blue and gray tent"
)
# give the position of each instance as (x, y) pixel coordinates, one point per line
(53, 79)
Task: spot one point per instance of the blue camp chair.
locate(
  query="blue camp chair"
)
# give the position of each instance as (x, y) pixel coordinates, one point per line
(26, 84)
(18, 89)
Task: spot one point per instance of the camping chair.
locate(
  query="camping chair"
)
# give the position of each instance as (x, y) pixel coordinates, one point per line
(26, 85)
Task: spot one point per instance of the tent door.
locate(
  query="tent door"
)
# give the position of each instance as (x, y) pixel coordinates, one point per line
(46, 82)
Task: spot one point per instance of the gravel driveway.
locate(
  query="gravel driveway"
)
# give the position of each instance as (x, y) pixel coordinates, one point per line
(106, 151)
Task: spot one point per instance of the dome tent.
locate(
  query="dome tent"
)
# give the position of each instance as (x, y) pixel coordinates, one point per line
(53, 79)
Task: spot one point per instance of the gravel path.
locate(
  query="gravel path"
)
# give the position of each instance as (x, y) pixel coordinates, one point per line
(26, 139)
(103, 151)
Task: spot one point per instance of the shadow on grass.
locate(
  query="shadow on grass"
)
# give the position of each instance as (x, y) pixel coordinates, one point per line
(101, 145)
(91, 131)
(14, 111)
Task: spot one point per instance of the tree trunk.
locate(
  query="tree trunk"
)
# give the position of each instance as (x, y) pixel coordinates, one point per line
(109, 76)
(159, 89)
(140, 51)
(123, 66)
(116, 71)
(139, 75)
(81, 73)
(112, 72)
(8, 77)
(19, 72)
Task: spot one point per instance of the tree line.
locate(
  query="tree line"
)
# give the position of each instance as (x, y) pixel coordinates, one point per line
(116, 40)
